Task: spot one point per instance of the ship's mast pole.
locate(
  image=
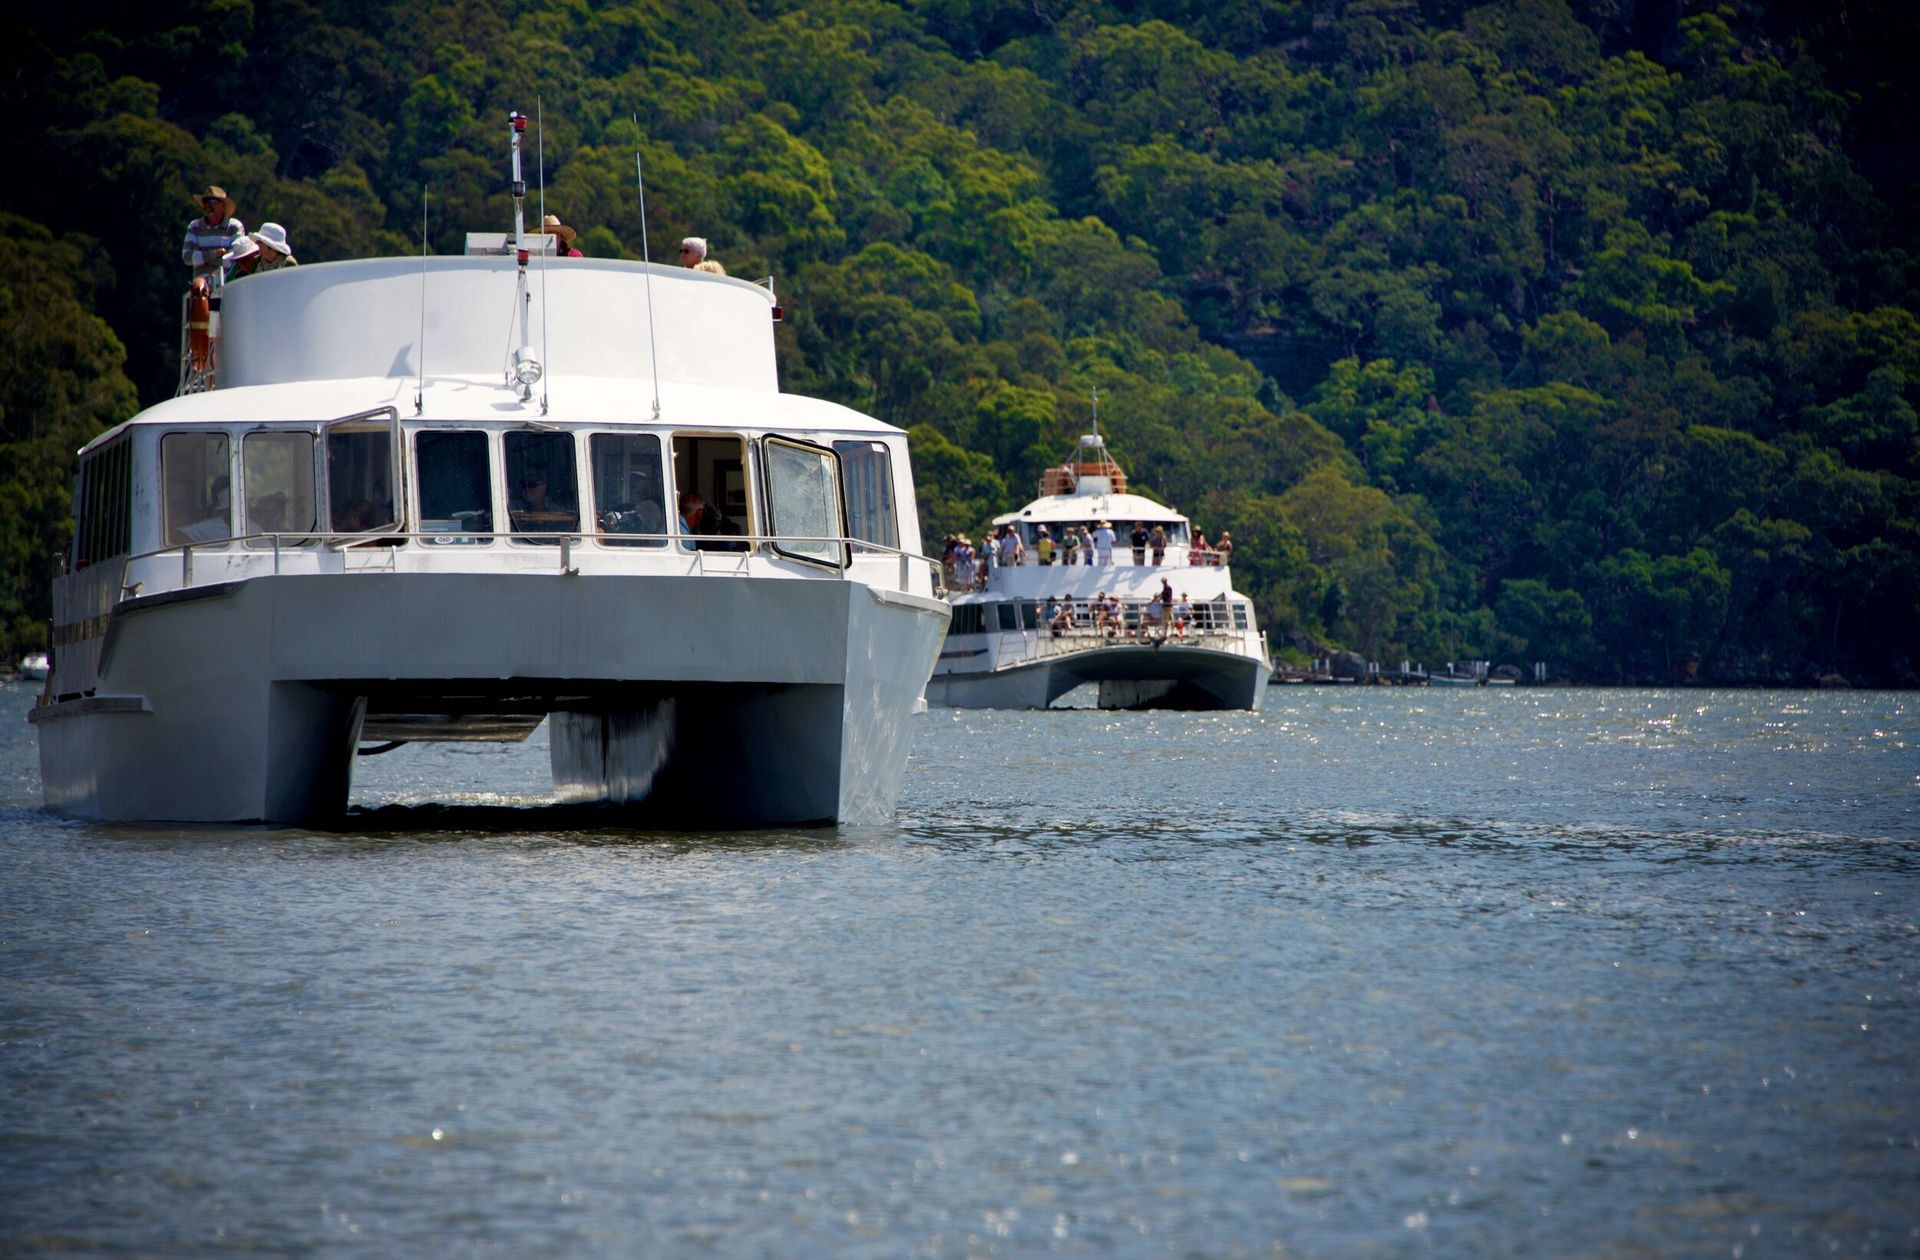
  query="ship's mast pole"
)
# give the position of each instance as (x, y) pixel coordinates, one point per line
(518, 121)
(524, 297)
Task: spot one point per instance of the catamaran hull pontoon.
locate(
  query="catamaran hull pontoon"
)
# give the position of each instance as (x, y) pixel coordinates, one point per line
(247, 700)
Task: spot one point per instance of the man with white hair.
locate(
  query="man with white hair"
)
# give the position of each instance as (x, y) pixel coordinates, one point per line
(693, 251)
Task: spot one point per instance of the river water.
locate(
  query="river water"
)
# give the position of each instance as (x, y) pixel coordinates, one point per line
(1369, 973)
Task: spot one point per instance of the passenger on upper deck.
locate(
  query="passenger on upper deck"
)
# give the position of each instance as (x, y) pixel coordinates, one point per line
(275, 252)
(1139, 540)
(1158, 541)
(1070, 544)
(210, 236)
(1012, 550)
(1043, 547)
(242, 257)
(1223, 550)
(693, 251)
(1103, 542)
(1197, 551)
(564, 235)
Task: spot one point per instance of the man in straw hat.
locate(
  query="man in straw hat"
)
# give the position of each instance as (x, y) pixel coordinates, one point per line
(551, 226)
(210, 236)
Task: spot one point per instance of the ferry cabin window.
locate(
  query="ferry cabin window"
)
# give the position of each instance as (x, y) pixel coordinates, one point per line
(803, 501)
(968, 619)
(276, 476)
(456, 485)
(629, 489)
(1239, 616)
(196, 474)
(103, 525)
(867, 470)
(360, 476)
(543, 495)
(1009, 616)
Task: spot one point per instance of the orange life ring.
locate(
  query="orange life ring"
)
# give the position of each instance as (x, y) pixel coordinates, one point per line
(199, 329)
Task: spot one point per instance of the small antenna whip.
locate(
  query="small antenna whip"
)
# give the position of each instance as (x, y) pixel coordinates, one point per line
(552, 242)
(420, 387)
(646, 256)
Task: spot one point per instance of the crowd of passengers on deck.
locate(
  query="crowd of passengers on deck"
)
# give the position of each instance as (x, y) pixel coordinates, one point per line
(966, 567)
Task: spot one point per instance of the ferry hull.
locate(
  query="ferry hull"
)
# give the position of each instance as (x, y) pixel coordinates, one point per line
(700, 701)
(1129, 677)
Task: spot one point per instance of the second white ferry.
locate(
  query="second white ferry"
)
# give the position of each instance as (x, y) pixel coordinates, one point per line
(1156, 627)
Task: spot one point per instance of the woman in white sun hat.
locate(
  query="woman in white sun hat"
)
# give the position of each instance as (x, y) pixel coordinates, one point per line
(274, 250)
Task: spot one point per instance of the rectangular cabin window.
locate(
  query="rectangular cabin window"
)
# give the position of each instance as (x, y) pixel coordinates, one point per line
(714, 470)
(276, 473)
(867, 470)
(968, 619)
(102, 513)
(119, 498)
(455, 476)
(1030, 616)
(629, 489)
(1009, 616)
(361, 474)
(803, 501)
(196, 474)
(543, 492)
(1239, 616)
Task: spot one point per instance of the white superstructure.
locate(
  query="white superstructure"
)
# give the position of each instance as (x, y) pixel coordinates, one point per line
(1158, 628)
(437, 499)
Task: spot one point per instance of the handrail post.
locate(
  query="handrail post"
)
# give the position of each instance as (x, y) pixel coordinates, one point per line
(186, 566)
(903, 573)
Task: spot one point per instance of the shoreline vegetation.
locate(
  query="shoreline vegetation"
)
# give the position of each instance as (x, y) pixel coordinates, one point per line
(1576, 331)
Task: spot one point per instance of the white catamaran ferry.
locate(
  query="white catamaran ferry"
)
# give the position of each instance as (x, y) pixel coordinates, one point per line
(1025, 634)
(440, 499)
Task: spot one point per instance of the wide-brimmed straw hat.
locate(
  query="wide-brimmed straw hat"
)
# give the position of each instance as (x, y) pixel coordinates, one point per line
(274, 237)
(551, 226)
(214, 190)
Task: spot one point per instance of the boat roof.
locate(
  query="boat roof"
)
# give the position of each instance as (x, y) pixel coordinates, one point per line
(581, 400)
(1076, 508)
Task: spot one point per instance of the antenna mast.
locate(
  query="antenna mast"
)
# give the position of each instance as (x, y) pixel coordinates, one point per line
(420, 385)
(546, 245)
(646, 256)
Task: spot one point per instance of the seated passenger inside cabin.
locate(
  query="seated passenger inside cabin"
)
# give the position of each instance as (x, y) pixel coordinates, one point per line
(640, 511)
(216, 523)
(268, 513)
(535, 508)
(700, 518)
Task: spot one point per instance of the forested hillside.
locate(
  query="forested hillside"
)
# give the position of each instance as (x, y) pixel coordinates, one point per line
(1575, 330)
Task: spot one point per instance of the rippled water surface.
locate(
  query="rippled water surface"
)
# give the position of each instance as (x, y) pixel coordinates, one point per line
(1533, 972)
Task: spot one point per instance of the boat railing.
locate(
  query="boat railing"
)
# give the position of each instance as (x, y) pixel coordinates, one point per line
(259, 554)
(1081, 629)
(984, 578)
